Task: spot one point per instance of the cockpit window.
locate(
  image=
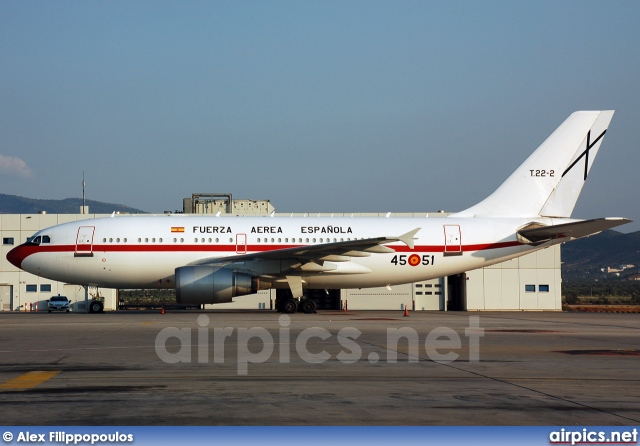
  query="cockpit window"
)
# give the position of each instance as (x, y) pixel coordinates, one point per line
(37, 240)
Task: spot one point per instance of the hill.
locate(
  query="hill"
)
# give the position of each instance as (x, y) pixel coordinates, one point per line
(584, 258)
(13, 204)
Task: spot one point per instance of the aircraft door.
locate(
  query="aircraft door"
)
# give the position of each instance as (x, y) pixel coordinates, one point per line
(241, 243)
(84, 241)
(452, 240)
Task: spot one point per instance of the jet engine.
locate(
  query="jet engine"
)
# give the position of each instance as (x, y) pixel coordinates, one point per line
(212, 285)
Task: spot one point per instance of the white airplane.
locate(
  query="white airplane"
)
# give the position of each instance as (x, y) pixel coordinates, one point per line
(209, 260)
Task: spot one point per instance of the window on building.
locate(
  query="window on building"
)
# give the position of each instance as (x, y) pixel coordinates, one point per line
(543, 288)
(32, 288)
(530, 288)
(45, 288)
(7, 241)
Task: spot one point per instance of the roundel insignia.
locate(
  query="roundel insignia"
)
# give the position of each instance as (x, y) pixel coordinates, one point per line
(414, 260)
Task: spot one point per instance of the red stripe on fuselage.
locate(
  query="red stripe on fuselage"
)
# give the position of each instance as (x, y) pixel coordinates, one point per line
(17, 255)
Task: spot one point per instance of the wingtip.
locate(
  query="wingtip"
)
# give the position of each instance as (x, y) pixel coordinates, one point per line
(408, 238)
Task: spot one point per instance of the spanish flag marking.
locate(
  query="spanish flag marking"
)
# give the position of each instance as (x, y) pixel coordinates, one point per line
(177, 229)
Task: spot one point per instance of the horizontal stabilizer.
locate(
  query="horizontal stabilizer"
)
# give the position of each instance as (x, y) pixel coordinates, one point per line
(535, 234)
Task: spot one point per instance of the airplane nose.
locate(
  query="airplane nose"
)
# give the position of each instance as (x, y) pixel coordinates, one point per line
(17, 255)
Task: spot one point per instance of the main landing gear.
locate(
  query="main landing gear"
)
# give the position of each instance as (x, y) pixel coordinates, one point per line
(290, 305)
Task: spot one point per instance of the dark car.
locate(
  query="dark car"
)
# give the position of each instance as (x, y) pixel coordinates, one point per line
(59, 303)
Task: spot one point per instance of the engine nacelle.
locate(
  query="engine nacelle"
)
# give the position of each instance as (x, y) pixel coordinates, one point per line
(212, 285)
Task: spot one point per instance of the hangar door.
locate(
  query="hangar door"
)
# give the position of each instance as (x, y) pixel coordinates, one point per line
(6, 297)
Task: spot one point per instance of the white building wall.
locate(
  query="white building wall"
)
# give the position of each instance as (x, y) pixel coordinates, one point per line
(508, 285)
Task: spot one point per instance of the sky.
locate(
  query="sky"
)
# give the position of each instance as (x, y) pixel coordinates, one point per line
(318, 106)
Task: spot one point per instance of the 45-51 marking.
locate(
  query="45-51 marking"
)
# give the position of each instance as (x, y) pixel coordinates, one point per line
(413, 259)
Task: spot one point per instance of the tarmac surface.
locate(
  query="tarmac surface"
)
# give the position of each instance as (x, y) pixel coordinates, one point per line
(263, 368)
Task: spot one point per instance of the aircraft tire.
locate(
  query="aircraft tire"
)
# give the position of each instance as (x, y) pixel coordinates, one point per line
(96, 307)
(289, 306)
(309, 306)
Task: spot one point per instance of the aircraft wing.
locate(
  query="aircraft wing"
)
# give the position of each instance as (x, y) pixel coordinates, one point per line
(535, 234)
(331, 252)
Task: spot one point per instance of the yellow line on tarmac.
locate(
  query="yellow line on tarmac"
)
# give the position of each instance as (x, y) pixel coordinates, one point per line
(28, 381)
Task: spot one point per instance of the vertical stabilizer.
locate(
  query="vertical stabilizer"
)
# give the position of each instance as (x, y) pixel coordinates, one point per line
(549, 182)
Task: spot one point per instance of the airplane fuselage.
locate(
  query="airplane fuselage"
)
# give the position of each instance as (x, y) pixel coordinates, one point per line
(144, 251)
